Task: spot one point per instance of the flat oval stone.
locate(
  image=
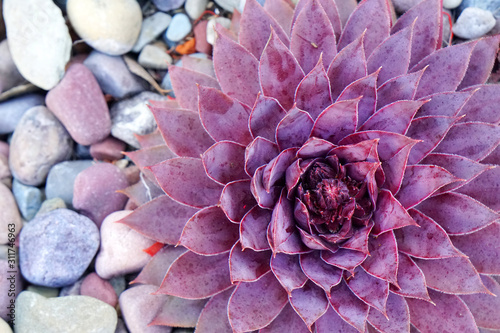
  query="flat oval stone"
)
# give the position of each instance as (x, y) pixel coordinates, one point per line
(152, 28)
(101, 289)
(95, 191)
(28, 198)
(39, 40)
(12, 110)
(194, 8)
(9, 281)
(78, 102)
(108, 149)
(61, 179)
(155, 57)
(57, 248)
(63, 314)
(179, 28)
(9, 75)
(167, 5)
(39, 142)
(474, 23)
(121, 249)
(110, 26)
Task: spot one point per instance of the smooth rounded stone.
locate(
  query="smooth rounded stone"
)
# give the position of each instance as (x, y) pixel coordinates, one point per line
(402, 6)
(5, 174)
(108, 149)
(229, 5)
(152, 28)
(194, 8)
(57, 248)
(10, 286)
(9, 75)
(121, 248)
(39, 40)
(63, 314)
(132, 116)
(110, 26)
(155, 57)
(95, 191)
(12, 110)
(50, 205)
(179, 28)
(167, 5)
(39, 142)
(101, 289)
(200, 36)
(138, 307)
(9, 214)
(224, 21)
(28, 198)
(113, 75)
(451, 4)
(61, 179)
(71, 290)
(78, 102)
(491, 5)
(474, 23)
(4, 327)
(44, 291)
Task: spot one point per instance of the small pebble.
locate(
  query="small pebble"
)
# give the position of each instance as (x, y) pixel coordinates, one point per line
(111, 27)
(224, 21)
(61, 179)
(63, 314)
(9, 281)
(113, 75)
(179, 28)
(152, 28)
(78, 102)
(108, 149)
(4, 327)
(132, 116)
(474, 23)
(5, 174)
(451, 4)
(121, 249)
(28, 198)
(229, 5)
(118, 283)
(71, 290)
(9, 75)
(194, 8)
(200, 36)
(155, 57)
(95, 191)
(39, 142)
(12, 110)
(167, 5)
(50, 205)
(96, 287)
(139, 307)
(57, 248)
(44, 291)
(491, 5)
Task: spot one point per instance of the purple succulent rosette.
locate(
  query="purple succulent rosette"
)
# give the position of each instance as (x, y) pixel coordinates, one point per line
(326, 179)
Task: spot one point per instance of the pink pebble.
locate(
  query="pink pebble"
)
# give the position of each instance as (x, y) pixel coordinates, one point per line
(108, 149)
(200, 35)
(101, 289)
(78, 102)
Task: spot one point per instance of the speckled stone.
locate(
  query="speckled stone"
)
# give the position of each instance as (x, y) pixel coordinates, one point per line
(28, 198)
(50, 205)
(12, 110)
(101, 289)
(9, 214)
(152, 28)
(61, 179)
(474, 23)
(78, 102)
(57, 248)
(108, 149)
(10, 286)
(155, 57)
(39, 142)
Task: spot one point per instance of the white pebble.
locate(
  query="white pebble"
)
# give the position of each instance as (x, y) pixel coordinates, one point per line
(451, 4)
(474, 23)
(179, 28)
(225, 22)
(153, 56)
(194, 8)
(152, 27)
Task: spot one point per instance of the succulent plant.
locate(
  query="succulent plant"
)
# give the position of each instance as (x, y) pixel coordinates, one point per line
(328, 179)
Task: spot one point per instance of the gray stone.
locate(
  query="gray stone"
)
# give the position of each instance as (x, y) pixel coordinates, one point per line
(39, 142)
(9, 281)
(9, 75)
(12, 110)
(9, 214)
(451, 4)
(155, 57)
(61, 179)
(110, 26)
(152, 28)
(44, 291)
(57, 248)
(28, 198)
(229, 5)
(63, 314)
(194, 8)
(179, 28)
(491, 5)
(132, 116)
(167, 5)
(113, 75)
(119, 284)
(39, 40)
(474, 23)
(50, 205)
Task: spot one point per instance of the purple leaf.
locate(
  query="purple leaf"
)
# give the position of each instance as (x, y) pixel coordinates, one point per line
(185, 82)
(315, 242)
(482, 105)
(372, 16)
(349, 307)
(393, 55)
(347, 66)
(398, 316)
(237, 199)
(427, 32)
(312, 36)
(237, 70)
(336, 121)
(287, 320)
(209, 232)
(178, 312)
(282, 221)
(486, 257)
(266, 114)
(184, 180)
(446, 104)
(436, 78)
(485, 307)
(315, 147)
(282, 11)
(331, 322)
(264, 299)
(344, 259)
(448, 314)
(201, 65)
(193, 276)
(359, 240)
(319, 272)
(411, 280)
(223, 117)
(313, 92)
(395, 117)
(383, 260)
(276, 168)
(150, 140)
(154, 271)
(359, 152)
(292, 178)
(330, 9)
(451, 275)
(248, 265)
(369, 289)
(399, 88)
(224, 162)
(213, 317)
(458, 214)
(264, 198)
(394, 168)
(145, 157)
(310, 302)
(482, 188)
(182, 131)
(427, 240)
(261, 151)
(253, 228)
(294, 129)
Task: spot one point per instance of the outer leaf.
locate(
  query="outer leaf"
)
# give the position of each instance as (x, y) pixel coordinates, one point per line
(331, 322)
(331, 11)
(264, 198)
(315, 147)
(154, 271)
(287, 320)
(366, 89)
(224, 162)
(179, 312)
(344, 259)
(481, 106)
(213, 317)
(319, 272)
(394, 168)
(266, 114)
(205, 66)
(275, 170)
(446, 104)
(258, 153)
(398, 316)
(150, 140)
(294, 129)
(248, 265)
(253, 228)
(383, 261)
(193, 276)
(369, 289)
(264, 299)
(310, 302)
(349, 307)
(237, 199)
(390, 214)
(411, 280)
(282, 11)
(485, 307)
(485, 188)
(359, 152)
(185, 81)
(395, 117)
(336, 121)
(287, 270)
(399, 88)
